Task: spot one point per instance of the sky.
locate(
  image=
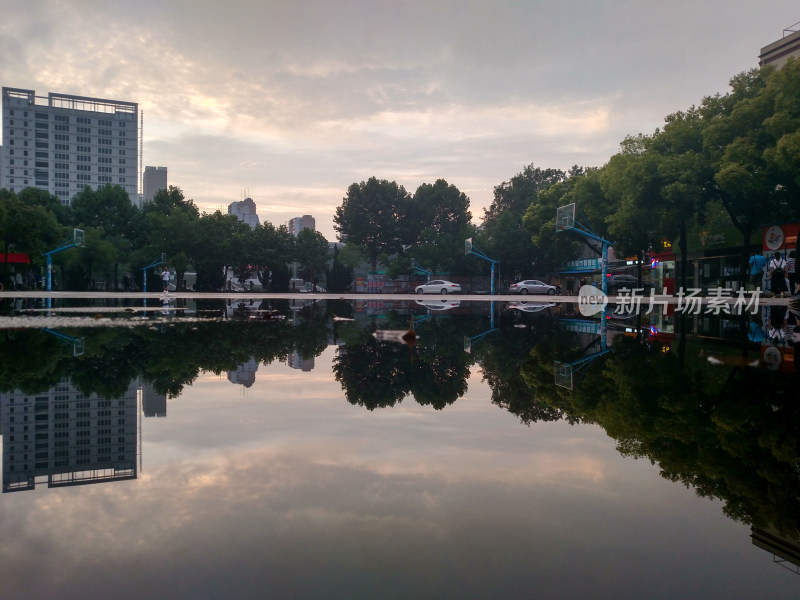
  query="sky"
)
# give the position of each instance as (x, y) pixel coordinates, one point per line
(290, 103)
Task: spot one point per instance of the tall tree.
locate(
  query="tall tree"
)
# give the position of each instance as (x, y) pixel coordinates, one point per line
(311, 251)
(26, 228)
(503, 236)
(440, 220)
(271, 249)
(370, 216)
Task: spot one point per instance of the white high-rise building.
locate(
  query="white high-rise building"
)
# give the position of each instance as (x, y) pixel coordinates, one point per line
(62, 143)
(153, 180)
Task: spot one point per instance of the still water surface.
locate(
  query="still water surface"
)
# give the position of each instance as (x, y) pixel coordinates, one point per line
(284, 451)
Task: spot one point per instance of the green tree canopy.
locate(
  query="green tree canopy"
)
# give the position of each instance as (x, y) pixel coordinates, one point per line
(370, 216)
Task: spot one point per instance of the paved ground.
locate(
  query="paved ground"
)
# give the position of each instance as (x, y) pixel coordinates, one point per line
(762, 300)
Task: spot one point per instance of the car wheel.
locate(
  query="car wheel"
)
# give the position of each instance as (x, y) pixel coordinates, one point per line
(524, 291)
(444, 291)
(420, 291)
(551, 292)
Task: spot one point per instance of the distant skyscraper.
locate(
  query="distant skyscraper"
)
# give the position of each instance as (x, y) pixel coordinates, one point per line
(297, 224)
(63, 143)
(244, 211)
(155, 179)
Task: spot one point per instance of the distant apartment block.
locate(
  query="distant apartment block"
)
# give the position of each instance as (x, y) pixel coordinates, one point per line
(295, 361)
(63, 143)
(244, 211)
(62, 437)
(297, 224)
(244, 374)
(153, 181)
(777, 53)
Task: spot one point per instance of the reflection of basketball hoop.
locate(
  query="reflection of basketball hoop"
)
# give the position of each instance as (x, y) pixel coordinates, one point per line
(563, 374)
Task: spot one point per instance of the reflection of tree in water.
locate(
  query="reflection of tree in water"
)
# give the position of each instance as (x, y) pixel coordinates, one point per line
(167, 359)
(373, 374)
(379, 374)
(28, 357)
(730, 433)
(509, 358)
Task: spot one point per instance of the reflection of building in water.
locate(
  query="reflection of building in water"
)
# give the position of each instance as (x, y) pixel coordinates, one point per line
(65, 438)
(153, 403)
(244, 374)
(297, 362)
(785, 550)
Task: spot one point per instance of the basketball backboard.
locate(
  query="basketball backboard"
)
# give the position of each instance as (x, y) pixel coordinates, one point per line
(79, 237)
(468, 246)
(563, 374)
(565, 217)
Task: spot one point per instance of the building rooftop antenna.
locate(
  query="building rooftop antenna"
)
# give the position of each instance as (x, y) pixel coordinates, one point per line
(791, 29)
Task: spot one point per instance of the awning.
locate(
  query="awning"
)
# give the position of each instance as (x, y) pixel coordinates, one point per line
(15, 257)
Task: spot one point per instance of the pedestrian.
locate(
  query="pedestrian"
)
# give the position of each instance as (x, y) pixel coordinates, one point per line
(126, 281)
(777, 275)
(791, 273)
(570, 285)
(757, 263)
(165, 279)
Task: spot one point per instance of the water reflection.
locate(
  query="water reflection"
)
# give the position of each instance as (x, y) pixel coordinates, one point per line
(726, 427)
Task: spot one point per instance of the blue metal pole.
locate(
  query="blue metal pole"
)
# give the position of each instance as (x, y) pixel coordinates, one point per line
(49, 279)
(492, 272)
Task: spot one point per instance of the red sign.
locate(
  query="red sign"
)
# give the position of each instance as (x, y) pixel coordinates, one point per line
(17, 257)
(780, 237)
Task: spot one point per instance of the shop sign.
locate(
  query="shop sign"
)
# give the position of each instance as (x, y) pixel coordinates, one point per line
(585, 264)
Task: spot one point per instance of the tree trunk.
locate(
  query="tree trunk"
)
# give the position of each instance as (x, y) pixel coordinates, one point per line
(683, 245)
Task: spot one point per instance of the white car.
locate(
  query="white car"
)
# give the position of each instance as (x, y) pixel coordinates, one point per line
(530, 307)
(438, 286)
(532, 286)
(439, 304)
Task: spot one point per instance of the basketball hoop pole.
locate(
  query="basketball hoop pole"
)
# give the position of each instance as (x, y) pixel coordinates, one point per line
(569, 224)
(77, 240)
(469, 248)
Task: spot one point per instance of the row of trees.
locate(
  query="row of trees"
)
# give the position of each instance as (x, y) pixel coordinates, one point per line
(121, 236)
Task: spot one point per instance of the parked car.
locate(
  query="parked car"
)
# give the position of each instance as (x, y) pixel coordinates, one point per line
(438, 286)
(531, 286)
(614, 283)
(530, 307)
(439, 304)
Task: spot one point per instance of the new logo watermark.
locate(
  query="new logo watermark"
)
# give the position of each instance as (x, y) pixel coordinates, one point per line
(694, 301)
(591, 300)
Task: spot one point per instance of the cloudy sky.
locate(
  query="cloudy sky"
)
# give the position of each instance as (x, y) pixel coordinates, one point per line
(291, 102)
